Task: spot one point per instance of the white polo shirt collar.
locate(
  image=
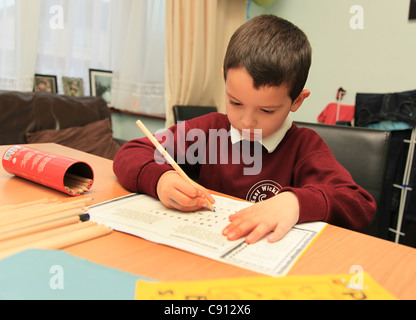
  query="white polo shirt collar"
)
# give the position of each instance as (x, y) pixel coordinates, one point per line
(271, 142)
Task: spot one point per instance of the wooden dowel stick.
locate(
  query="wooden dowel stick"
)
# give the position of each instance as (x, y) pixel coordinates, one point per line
(72, 190)
(76, 183)
(61, 241)
(78, 178)
(21, 210)
(24, 210)
(79, 200)
(17, 242)
(39, 228)
(11, 219)
(52, 208)
(39, 221)
(170, 160)
(26, 204)
(76, 186)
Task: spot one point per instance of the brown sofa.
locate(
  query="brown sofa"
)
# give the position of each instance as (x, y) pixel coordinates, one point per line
(83, 123)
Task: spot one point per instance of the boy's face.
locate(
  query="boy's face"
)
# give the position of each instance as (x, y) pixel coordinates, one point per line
(249, 108)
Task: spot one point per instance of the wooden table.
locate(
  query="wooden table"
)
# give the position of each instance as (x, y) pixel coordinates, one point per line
(335, 251)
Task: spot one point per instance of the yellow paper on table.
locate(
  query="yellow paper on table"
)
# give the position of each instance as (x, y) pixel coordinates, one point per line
(321, 287)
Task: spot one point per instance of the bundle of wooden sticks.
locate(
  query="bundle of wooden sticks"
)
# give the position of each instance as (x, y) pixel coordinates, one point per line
(46, 224)
(76, 184)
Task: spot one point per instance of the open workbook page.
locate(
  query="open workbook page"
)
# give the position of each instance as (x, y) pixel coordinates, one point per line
(200, 232)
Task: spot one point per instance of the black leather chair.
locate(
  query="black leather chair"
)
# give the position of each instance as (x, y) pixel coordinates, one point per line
(182, 113)
(364, 153)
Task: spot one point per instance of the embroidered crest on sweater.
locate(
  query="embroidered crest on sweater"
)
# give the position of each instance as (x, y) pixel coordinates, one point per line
(263, 190)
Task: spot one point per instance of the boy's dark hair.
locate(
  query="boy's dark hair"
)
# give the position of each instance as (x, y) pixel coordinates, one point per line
(273, 51)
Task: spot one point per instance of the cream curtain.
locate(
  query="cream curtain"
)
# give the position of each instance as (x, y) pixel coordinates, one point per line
(197, 34)
(79, 42)
(19, 39)
(138, 52)
(123, 36)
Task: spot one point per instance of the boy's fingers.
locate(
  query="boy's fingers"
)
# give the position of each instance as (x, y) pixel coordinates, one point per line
(233, 217)
(236, 230)
(177, 193)
(183, 200)
(259, 232)
(243, 224)
(204, 193)
(183, 195)
(278, 233)
(186, 205)
(196, 191)
(186, 188)
(209, 196)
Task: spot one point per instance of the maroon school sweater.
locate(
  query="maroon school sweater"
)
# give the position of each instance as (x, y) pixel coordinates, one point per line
(301, 163)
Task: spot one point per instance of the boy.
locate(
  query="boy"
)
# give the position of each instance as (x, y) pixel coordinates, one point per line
(294, 177)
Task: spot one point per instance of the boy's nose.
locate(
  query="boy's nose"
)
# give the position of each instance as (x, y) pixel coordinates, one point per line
(248, 121)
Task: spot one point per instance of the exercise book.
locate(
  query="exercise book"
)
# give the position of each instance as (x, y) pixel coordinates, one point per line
(200, 232)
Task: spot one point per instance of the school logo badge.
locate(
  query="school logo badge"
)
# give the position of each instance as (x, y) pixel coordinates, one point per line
(263, 190)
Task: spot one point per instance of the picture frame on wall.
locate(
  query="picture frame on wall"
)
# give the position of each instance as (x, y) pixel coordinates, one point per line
(45, 84)
(412, 10)
(73, 86)
(100, 84)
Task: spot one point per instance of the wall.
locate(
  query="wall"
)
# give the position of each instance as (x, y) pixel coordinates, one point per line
(378, 58)
(125, 128)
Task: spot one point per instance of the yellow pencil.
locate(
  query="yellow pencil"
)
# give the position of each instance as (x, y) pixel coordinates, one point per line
(170, 160)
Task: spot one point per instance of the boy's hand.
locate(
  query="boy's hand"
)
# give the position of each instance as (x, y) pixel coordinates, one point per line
(177, 193)
(276, 215)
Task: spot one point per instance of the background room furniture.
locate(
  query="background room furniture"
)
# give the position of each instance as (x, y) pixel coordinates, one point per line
(182, 113)
(83, 123)
(335, 251)
(364, 153)
(395, 111)
(334, 113)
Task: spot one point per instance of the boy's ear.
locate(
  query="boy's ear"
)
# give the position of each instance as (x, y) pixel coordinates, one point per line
(299, 100)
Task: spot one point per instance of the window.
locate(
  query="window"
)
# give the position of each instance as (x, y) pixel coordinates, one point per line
(69, 37)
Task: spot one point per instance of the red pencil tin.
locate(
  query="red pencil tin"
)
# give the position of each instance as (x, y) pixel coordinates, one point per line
(68, 175)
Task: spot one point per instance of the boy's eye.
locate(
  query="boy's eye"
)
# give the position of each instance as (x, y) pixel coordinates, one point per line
(234, 103)
(267, 111)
